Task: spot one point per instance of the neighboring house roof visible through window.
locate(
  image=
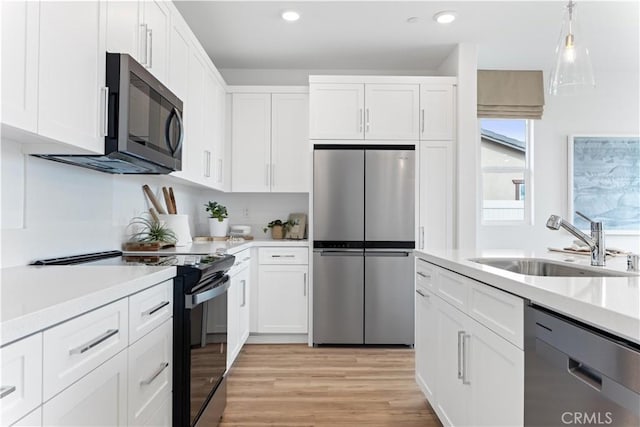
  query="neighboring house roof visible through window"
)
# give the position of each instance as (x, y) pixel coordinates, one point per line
(496, 138)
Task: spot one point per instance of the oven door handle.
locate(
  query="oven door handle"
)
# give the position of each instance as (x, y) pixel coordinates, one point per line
(193, 300)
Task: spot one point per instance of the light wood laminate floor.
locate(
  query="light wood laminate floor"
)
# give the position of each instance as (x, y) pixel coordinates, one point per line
(296, 385)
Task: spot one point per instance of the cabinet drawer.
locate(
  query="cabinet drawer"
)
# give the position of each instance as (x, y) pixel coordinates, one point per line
(453, 288)
(149, 308)
(150, 373)
(425, 274)
(499, 311)
(21, 380)
(283, 255)
(243, 259)
(75, 348)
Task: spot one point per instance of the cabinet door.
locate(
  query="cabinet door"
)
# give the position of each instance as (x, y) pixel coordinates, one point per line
(426, 343)
(150, 373)
(123, 28)
(251, 142)
(282, 298)
(178, 70)
(436, 191)
(453, 395)
(211, 142)
(290, 153)
(34, 419)
(391, 111)
(20, 29)
(436, 112)
(71, 102)
(215, 113)
(336, 111)
(155, 19)
(495, 371)
(233, 321)
(98, 399)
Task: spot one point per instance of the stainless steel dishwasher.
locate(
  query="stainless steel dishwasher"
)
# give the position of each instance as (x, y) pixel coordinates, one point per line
(577, 375)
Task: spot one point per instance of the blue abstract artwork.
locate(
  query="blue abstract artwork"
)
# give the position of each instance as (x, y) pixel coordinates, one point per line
(605, 182)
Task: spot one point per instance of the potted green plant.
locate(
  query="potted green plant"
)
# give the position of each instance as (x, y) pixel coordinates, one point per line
(150, 230)
(278, 228)
(219, 219)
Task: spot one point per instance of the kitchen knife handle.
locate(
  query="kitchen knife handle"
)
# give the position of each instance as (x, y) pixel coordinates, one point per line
(154, 215)
(173, 200)
(167, 200)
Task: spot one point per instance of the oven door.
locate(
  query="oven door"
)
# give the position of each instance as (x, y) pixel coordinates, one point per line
(208, 352)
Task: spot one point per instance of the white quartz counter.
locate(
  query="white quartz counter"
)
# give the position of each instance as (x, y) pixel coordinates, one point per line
(229, 247)
(608, 303)
(34, 298)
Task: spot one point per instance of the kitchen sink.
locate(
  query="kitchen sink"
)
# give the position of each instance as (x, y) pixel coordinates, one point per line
(545, 267)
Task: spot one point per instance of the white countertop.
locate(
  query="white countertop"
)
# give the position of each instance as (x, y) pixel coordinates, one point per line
(608, 303)
(234, 247)
(34, 298)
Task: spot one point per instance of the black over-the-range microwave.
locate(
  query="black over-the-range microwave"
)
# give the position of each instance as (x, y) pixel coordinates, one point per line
(144, 129)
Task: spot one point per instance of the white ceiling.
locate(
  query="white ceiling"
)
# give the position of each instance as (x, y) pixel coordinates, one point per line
(376, 35)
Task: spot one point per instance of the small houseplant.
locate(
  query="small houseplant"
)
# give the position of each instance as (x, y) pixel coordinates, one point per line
(219, 219)
(150, 230)
(278, 228)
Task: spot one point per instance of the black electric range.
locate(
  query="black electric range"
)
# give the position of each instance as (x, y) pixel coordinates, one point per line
(199, 327)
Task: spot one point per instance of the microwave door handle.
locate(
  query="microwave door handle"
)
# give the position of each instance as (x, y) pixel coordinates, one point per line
(181, 130)
(167, 131)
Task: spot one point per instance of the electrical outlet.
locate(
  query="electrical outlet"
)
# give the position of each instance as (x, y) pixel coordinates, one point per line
(245, 212)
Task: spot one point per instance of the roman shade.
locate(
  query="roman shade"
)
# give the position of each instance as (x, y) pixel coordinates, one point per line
(510, 94)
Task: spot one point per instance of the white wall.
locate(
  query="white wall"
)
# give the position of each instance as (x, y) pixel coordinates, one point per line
(300, 77)
(613, 108)
(51, 209)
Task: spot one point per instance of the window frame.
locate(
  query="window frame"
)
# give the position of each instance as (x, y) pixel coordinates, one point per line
(527, 174)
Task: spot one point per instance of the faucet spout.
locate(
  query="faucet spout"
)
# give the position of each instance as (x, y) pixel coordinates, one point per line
(595, 241)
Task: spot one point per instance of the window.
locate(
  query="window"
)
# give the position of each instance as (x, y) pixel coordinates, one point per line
(505, 159)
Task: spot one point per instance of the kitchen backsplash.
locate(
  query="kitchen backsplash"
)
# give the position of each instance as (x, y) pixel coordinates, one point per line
(51, 209)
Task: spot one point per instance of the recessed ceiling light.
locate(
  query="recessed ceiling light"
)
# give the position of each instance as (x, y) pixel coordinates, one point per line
(290, 15)
(445, 17)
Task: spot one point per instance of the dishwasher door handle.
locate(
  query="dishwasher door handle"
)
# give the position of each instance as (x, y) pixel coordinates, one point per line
(584, 373)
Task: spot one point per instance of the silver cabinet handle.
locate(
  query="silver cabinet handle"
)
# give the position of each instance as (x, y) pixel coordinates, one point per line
(421, 274)
(143, 30)
(155, 309)
(422, 237)
(465, 355)
(360, 118)
(150, 47)
(422, 121)
(246, 259)
(266, 174)
(283, 256)
(422, 294)
(273, 174)
(6, 390)
(367, 123)
(460, 336)
(219, 170)
(153, 376)
(304, 289)
(105, 112)
(244, 293)
(94, 342)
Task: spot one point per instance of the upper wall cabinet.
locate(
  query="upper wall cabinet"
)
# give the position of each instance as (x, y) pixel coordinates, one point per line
(437, 112)
(270, 143)
(364, 111)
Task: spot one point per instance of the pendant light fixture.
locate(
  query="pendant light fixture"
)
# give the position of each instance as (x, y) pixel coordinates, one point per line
(572, 71)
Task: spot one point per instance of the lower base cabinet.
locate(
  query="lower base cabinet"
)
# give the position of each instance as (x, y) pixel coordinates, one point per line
(470, 374)
(282, 299)
(99, 398)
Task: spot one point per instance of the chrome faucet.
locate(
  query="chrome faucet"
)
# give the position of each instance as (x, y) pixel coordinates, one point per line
(595, 241)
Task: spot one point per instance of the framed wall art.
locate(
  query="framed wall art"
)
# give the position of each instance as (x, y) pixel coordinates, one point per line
(604, 182)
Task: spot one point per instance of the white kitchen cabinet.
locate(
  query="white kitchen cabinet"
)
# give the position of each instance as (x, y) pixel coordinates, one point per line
(437, 114)
(20, 32)
(213, 131)
(336, 111)
(21, 378)
(123, 28)
(282, 298)
(270, 146)
(99, 398)
(149, 309)
(72, 96)
(34, 419)
(150, 373)
(452, 399)
(426, 342)
(178, 68)
(244, 298)
(372, 111)
(391, 111)
(233, 322)
(155, 18)
(435, 195)
(238, 306)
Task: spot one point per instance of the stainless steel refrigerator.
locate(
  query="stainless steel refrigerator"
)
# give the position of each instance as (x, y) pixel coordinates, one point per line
(363, 238)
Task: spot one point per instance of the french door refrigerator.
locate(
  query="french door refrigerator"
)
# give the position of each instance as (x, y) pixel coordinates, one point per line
(363, 238)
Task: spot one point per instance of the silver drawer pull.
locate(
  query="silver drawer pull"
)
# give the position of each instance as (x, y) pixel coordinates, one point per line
(88, 346)
(153, 376)
(423, 275)
(156, 308)
(246, 259)
(283, 256)
(422, 294)
(6, 391)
